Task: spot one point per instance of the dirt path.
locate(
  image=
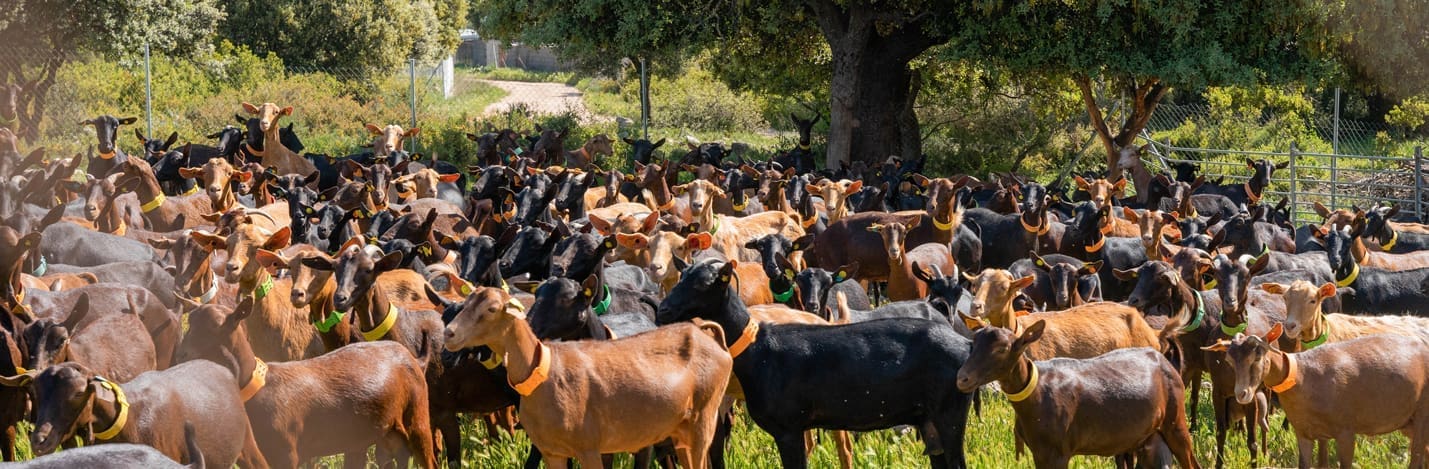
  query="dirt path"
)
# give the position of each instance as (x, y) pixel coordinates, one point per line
(541, 98)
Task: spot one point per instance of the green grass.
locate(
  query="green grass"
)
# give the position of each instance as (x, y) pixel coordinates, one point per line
(989, 444)
(517, 74)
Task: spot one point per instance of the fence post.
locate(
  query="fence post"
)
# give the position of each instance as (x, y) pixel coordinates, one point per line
(1294, 178)
(644, 101)
(1335, 176)
(412, 90)
(148, 94)
(1419, 182)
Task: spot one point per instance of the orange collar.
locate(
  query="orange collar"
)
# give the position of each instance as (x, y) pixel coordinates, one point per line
(252, 151)
(1039, 230)
(538, 374)
(668, 205)
(107, 156)
(1106, 229)
(1098, 246)
(811, 221)
(1292, 375)
(1250, 194)
(745, 339)
(256, 382)
(122, 229)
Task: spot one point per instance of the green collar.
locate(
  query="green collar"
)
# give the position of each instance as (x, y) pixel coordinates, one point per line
(1318, 341)
(326, 325)
(783, 297)
(263, 288)
(604, 305)
(1200, 314)
(1231, 331)
(1263, 253)
(714, 226)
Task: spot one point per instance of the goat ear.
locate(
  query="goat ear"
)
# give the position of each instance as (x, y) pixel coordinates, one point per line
(847, 272)
(632, 241)
(804, 242)
(700, 241)
(270, 260)
(1125, 275)
(1081, 183)
(391, 261)
(589, 285)
(972, 322)
(920, 273)
(1130, 215)
(602, 225)
(1327, 290)
(1038, 261)
(20, 380)
(1219, 346)
(1031, 334)
(1023, 282)
(279, 239)
(726, 272)
(81, 309)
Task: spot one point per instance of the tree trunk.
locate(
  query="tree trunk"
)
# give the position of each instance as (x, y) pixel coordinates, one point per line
(1145, 96)
(871, 99)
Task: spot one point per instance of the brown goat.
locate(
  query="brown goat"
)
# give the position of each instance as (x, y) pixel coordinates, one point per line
(115, 344)
(151, 410)
(730, 233)
(1306, 322)
(274, 154)
(280, 332)
(903, 282)
(1366, 386)
(364, 393)
(1083, 331)
(579, 396)
(1108, 405)
(161, 213)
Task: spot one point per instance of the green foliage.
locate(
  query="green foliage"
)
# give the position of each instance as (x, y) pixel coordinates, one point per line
(44, 29)
(364, 38)
(1382, 44)
(597, 34)
(693, 102)
(975, 121)
(199, 98)
(1186, 43)
(1257, 118)
(1411, 115)
(521, 74)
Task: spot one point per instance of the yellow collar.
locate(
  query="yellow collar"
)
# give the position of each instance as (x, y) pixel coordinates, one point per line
(1394, 238)
(538, 374)
(1354, 274)
(153, 204)
(804, 146)
(106, 156)
(941, 226)
(1026, 391)
(382, 329)
(1098, 246)
(121, 403)
(1292, 375)
(741, 206)
(192, 190)
(255, 382)
(1040, 230)
(745, 339)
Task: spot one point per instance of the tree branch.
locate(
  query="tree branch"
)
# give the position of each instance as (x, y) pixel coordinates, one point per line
(1094, 112)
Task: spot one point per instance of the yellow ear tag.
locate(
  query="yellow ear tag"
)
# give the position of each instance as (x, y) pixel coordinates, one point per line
(610, 244)
(789, 273)
(425, 250)
(842, 274)
(465, 289)
(589, 293)
(724, 278)
(1039, 262)
(308, 210)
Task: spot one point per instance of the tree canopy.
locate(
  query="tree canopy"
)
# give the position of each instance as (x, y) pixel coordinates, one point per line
(356, 36)
(1142, 49)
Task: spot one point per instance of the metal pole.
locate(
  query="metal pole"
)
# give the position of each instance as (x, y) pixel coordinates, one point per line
(644, 100)
(1335, 139)
(148, 94)
(1419, 183)
(412, 90)
(1294, 178)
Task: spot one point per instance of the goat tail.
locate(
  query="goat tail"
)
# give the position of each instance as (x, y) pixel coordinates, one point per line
(714, 330)
(841, 301)
(191, 442)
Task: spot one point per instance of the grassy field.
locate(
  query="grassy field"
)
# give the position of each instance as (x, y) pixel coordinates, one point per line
(989, 444)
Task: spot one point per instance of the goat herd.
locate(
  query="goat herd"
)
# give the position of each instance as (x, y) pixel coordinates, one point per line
(248, 304)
